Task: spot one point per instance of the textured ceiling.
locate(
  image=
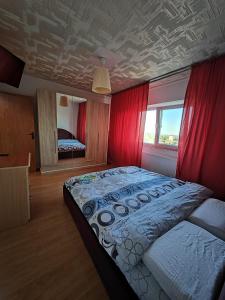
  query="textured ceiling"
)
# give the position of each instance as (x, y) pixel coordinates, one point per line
(57, 39)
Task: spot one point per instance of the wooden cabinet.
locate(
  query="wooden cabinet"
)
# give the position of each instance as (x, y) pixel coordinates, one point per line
(46, 106)
(103, 130)
(97, 131)
(14, 187)
(97, 125)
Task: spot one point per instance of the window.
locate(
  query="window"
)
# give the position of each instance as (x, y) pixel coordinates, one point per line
(162, 126)
(150, 126)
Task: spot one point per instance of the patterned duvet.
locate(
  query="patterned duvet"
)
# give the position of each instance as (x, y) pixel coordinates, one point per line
(115, 199)
(67, 145)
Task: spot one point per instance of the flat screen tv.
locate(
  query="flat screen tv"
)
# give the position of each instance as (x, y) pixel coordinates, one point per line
(11, 68)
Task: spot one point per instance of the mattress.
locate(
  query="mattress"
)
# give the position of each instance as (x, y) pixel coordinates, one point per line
(68, 145)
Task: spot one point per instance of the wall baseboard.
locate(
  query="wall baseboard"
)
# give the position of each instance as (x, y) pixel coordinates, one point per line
(52, 169)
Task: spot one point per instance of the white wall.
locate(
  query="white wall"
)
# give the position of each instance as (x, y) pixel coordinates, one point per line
(161, 160)
(29, 84)
(169, 89)
(67, 116)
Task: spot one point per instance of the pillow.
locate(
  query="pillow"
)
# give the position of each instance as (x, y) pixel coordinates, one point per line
(188, 262)
(210, 216)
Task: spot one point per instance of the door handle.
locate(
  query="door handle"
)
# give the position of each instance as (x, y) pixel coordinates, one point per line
(32, 135)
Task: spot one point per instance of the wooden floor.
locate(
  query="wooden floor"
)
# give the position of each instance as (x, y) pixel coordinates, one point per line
(46, 258)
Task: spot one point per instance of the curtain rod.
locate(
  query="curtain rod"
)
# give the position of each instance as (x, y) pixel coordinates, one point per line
(183, 69)
(158, 78)
(166, 75)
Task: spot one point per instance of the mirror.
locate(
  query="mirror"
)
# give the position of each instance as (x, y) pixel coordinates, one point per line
(71, 126)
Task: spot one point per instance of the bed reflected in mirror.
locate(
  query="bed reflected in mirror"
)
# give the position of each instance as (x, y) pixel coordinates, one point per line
(71, 126)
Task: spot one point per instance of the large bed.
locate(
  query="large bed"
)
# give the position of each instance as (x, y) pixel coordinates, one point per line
(68, 145)
(126, 216)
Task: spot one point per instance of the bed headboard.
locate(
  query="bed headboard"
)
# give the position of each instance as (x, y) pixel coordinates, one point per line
(64, 134)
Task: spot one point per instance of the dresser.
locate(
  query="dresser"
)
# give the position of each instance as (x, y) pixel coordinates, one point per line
(14, 191)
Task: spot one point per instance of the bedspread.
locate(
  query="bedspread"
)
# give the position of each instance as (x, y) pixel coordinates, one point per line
(116, 196)
(67, 145)
(133, 235)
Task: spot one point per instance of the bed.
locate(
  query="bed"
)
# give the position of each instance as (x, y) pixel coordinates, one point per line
(68, 145)
(111, 209)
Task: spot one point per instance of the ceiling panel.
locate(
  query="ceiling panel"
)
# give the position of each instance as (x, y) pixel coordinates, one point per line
(57, 39)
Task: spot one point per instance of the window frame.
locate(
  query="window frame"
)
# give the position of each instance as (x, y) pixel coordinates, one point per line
(158, 126)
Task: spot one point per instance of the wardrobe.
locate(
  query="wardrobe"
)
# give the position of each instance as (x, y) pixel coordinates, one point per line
(97, 126)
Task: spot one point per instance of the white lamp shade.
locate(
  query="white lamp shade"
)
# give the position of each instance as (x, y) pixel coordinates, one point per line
(101, 81)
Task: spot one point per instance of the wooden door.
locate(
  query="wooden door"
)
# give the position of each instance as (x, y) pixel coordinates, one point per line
(47, 127)
(17, 126)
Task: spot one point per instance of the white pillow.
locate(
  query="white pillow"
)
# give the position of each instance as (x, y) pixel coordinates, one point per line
(210, 216)
(188, 262)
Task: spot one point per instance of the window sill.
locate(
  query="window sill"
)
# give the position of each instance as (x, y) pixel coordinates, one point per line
(160, 151)
(162, 146)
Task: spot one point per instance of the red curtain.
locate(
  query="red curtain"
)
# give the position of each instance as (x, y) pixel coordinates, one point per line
(201, 152)
(127, 126)
(81, 123)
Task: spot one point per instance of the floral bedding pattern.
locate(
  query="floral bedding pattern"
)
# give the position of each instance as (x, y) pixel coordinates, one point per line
(67, 145)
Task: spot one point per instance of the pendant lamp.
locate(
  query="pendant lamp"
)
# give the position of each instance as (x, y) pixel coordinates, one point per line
(63, 101)
(101, 80)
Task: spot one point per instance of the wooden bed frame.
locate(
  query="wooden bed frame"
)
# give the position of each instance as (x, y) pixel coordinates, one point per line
(64, 134)
(113, 279)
